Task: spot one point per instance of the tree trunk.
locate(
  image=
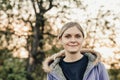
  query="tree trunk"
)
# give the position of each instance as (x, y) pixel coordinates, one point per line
(37, 44)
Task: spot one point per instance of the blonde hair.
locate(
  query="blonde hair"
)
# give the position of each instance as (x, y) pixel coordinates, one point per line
(69, 25)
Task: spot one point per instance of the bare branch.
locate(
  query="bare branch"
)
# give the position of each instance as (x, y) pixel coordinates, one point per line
(38, 4)
(51, 5)
(52, 35)
(28, 22)
(34, 6)
(42, 9)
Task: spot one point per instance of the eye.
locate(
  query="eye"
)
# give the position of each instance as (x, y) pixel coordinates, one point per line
(67, 36)
(78, 36)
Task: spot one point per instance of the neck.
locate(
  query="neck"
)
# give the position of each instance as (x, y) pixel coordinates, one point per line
(72, 57)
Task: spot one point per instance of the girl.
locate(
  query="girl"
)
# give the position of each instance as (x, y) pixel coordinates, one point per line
(74, 63)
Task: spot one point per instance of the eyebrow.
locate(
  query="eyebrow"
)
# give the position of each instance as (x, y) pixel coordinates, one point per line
(70, 34)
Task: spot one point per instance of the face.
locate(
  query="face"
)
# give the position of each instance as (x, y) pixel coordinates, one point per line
(72, 40)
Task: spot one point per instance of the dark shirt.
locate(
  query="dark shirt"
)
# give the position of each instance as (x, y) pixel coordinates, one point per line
(74, 70)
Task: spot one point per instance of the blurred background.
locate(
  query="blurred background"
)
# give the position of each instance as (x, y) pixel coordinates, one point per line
(28, 31)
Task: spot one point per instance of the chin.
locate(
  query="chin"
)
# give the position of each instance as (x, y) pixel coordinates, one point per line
(73, 52)
(72, 49)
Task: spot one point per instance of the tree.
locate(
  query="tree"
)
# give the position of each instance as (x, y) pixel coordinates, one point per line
(29, 24)
(15, 11)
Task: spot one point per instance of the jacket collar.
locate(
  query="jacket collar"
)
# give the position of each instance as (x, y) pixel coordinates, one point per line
(50, 63)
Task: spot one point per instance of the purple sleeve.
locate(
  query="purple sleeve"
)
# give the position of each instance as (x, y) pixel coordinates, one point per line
(49, 77)
(103, 73)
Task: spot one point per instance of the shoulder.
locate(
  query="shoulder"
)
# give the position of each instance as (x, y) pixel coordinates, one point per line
(103, 74)
(51, 61)
(101, 67)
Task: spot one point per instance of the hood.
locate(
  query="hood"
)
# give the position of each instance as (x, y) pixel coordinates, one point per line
(50, 62)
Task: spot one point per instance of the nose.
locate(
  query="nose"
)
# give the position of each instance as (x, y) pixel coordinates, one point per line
(73, 39)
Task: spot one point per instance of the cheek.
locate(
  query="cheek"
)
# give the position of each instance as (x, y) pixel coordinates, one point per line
(64, 41)
(65, 46)
(80, 41)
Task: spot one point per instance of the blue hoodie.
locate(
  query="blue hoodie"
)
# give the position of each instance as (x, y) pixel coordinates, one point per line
(95, 69)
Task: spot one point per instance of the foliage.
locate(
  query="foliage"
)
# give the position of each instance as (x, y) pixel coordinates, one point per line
(114, 74)
(114, 71)
(11, 68)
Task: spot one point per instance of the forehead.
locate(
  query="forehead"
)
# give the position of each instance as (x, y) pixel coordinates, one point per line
(72, 30)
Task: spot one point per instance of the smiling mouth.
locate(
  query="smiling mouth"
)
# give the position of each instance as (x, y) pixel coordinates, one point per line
(72, 45)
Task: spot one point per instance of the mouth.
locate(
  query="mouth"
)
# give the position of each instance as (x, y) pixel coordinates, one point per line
(72, 45)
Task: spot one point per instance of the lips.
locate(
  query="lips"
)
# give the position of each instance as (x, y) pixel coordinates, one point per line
(72, 45)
